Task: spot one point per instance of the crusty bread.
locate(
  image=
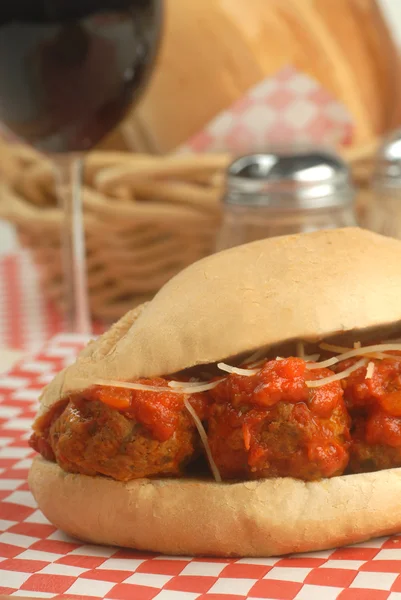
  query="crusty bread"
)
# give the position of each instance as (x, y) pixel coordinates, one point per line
(253, 518)
(343, 45)
(308, 287)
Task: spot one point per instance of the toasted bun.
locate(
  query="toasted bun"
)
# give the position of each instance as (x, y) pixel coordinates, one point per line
(254, 518)
(308, 286)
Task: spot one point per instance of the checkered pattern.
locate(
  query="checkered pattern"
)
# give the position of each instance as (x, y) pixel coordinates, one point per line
(38, 560)
(27, 319)
(288, 108)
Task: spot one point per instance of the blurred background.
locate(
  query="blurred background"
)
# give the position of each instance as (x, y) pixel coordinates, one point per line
(308, 90)
(392, 11)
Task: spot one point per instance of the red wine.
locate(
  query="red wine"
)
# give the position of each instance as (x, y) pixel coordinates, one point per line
(69, 69)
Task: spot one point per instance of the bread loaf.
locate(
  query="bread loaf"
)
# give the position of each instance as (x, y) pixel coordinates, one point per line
(214, 51)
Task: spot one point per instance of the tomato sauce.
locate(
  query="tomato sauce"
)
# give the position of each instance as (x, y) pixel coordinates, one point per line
(159, 412)
(281, 380)
(375, 401)
(39, 439)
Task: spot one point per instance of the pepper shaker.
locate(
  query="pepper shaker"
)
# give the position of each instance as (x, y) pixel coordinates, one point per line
(382, 212)
(285, 192)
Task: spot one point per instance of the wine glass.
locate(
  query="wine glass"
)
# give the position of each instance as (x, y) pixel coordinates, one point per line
(69, 71)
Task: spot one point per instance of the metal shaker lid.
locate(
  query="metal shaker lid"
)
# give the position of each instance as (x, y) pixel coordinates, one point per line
(289, 179)
(387, 168)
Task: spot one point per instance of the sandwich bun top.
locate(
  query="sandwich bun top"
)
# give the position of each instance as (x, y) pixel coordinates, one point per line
(306, 287)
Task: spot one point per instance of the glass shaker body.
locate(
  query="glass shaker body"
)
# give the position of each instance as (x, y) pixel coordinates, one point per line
(283, 193)
(242, 224)
(382, 213)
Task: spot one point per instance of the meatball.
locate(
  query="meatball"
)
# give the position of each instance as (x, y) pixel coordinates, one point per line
(375, 408)
(122, 434)
(272, 424)
(376, 443)
(91, 438)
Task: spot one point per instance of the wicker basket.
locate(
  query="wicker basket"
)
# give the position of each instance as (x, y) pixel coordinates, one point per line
(146, 218)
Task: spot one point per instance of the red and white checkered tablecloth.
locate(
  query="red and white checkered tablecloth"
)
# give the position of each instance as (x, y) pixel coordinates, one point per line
(38, 560)
(289, 107)
(27, 318)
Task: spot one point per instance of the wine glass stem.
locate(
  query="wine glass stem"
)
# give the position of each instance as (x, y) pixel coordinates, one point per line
(69, 176)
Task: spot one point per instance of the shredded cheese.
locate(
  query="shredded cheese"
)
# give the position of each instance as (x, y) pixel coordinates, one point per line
(337, 376)
(370, 370)
(256, 357)
(366, 351)
(258, 363)
(306, 358)
(357, 345)
(192, 388)
(332, 348)
(204, 440)
(380, 355)
(300, 350)
(236, 370)
(180, 388)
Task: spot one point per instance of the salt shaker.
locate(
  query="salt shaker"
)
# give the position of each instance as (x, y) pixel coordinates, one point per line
(285, 192)
(383, 211)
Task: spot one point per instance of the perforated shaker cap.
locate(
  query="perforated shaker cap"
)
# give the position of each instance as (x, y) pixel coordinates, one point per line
(288, 180)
